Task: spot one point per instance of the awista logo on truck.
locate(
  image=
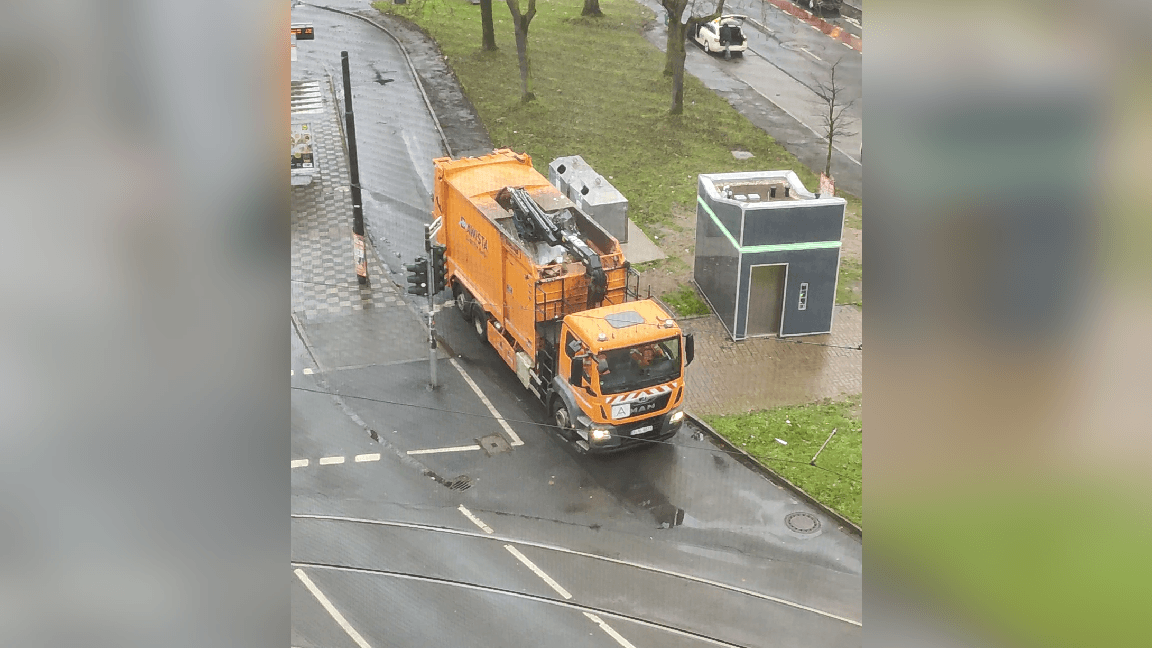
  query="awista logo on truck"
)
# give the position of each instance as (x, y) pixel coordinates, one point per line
(559, 303)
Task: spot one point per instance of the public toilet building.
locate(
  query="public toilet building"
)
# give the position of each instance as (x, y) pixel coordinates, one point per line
(767, 253)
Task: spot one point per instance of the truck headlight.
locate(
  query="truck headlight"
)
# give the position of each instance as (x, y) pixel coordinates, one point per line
(677, 417)
(600, 434)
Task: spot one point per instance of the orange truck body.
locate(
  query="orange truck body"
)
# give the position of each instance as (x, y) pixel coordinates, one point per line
(526, 302)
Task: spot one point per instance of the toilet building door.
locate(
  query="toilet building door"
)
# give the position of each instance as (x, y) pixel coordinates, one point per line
(766, 299)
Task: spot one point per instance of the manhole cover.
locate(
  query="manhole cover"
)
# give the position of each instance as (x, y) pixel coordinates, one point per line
(493, 444)
(461, 483)
(802, 522)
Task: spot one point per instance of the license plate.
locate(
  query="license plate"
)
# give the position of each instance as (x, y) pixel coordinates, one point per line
(641, 430)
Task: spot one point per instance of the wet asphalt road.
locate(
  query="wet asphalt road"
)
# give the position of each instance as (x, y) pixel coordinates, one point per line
(406, 567)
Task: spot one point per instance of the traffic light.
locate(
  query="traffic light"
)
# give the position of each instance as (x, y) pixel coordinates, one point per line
(439, 269)
(418, 280)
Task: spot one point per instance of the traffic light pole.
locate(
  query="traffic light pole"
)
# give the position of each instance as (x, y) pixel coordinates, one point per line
(431, 306)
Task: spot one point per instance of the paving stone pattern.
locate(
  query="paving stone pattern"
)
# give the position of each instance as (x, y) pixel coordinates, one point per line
(347, 324)
(759, 373)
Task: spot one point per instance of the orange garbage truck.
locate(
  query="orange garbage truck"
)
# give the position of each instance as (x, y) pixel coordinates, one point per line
(551, 291)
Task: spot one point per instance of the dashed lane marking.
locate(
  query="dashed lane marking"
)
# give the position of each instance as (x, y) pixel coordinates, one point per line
(307, 371)
(327, 461)
(513, 437)
(559, 589)
(847, 45)
(475, 520)
(539, 572)
(439, 450)
(375, 456)
(584, 554)
(340, 620)
(299, 463)
(610, 630)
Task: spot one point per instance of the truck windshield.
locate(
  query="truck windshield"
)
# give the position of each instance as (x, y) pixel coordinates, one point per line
(640, 366)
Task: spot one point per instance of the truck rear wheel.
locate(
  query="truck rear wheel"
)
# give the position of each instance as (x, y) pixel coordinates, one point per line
(480, 324)
(463, 301)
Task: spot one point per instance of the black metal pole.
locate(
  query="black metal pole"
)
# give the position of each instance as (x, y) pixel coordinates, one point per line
(354, 171)
(431, 306)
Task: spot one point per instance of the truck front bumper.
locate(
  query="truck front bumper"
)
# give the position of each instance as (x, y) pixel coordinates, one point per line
(633, 435)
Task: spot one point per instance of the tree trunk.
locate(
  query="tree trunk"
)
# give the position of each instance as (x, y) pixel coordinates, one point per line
(676, 57)
(831, 124)
(489, 38)
(675, 35)
(591, 8)
(521, 22)
(522, 54)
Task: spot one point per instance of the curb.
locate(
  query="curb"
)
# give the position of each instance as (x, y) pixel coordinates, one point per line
(828, 28)
(407, 59)
(774, 477)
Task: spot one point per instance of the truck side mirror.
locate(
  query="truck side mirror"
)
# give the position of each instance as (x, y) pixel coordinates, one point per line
(602, 365)
(573, 348)
(689, 348)
(576, 376)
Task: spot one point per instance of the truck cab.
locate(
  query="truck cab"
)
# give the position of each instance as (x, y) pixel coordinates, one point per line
(619, 379)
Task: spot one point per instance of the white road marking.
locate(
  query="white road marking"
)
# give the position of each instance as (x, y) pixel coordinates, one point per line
(515, 439)
(539, 572)
(585, 554)
(375, 456)
(816, 28)
(847, 45)
(307, 371)
(475, 520)
(805, 50)
(299, 463)
(524, 597)
(293, 371)
(325, 461)
(438, 450)
(610, 630)
(331, 609)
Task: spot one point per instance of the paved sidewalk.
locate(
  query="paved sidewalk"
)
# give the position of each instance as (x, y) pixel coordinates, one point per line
(758, 373)
(344, 324)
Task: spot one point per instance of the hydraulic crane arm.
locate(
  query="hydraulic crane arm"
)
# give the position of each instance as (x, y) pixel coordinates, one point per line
(534, 224)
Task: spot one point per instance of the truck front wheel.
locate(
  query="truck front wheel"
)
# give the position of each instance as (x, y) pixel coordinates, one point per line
(562, 419)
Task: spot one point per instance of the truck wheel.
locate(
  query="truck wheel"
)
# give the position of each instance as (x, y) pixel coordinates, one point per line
(463, 301)
(480, 324)
(562, 419)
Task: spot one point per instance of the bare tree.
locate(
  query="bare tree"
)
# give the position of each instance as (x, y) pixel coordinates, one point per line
(521, 21)
(592, 8)
(833, 122)
(674, 53)
(489, 37)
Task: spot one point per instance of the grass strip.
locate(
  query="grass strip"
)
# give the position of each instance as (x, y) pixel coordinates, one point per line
(835, 480)
(601, 94)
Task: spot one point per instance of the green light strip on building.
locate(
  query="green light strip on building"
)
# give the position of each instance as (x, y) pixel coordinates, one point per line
(754, 249)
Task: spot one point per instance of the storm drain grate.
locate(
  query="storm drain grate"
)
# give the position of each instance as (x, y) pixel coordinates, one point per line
(802, 522)
(461, 483)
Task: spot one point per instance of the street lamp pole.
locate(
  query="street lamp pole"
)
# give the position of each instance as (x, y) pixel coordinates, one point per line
(354, 171)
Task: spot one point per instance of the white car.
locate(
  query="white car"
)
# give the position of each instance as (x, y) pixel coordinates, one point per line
(721, 35)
